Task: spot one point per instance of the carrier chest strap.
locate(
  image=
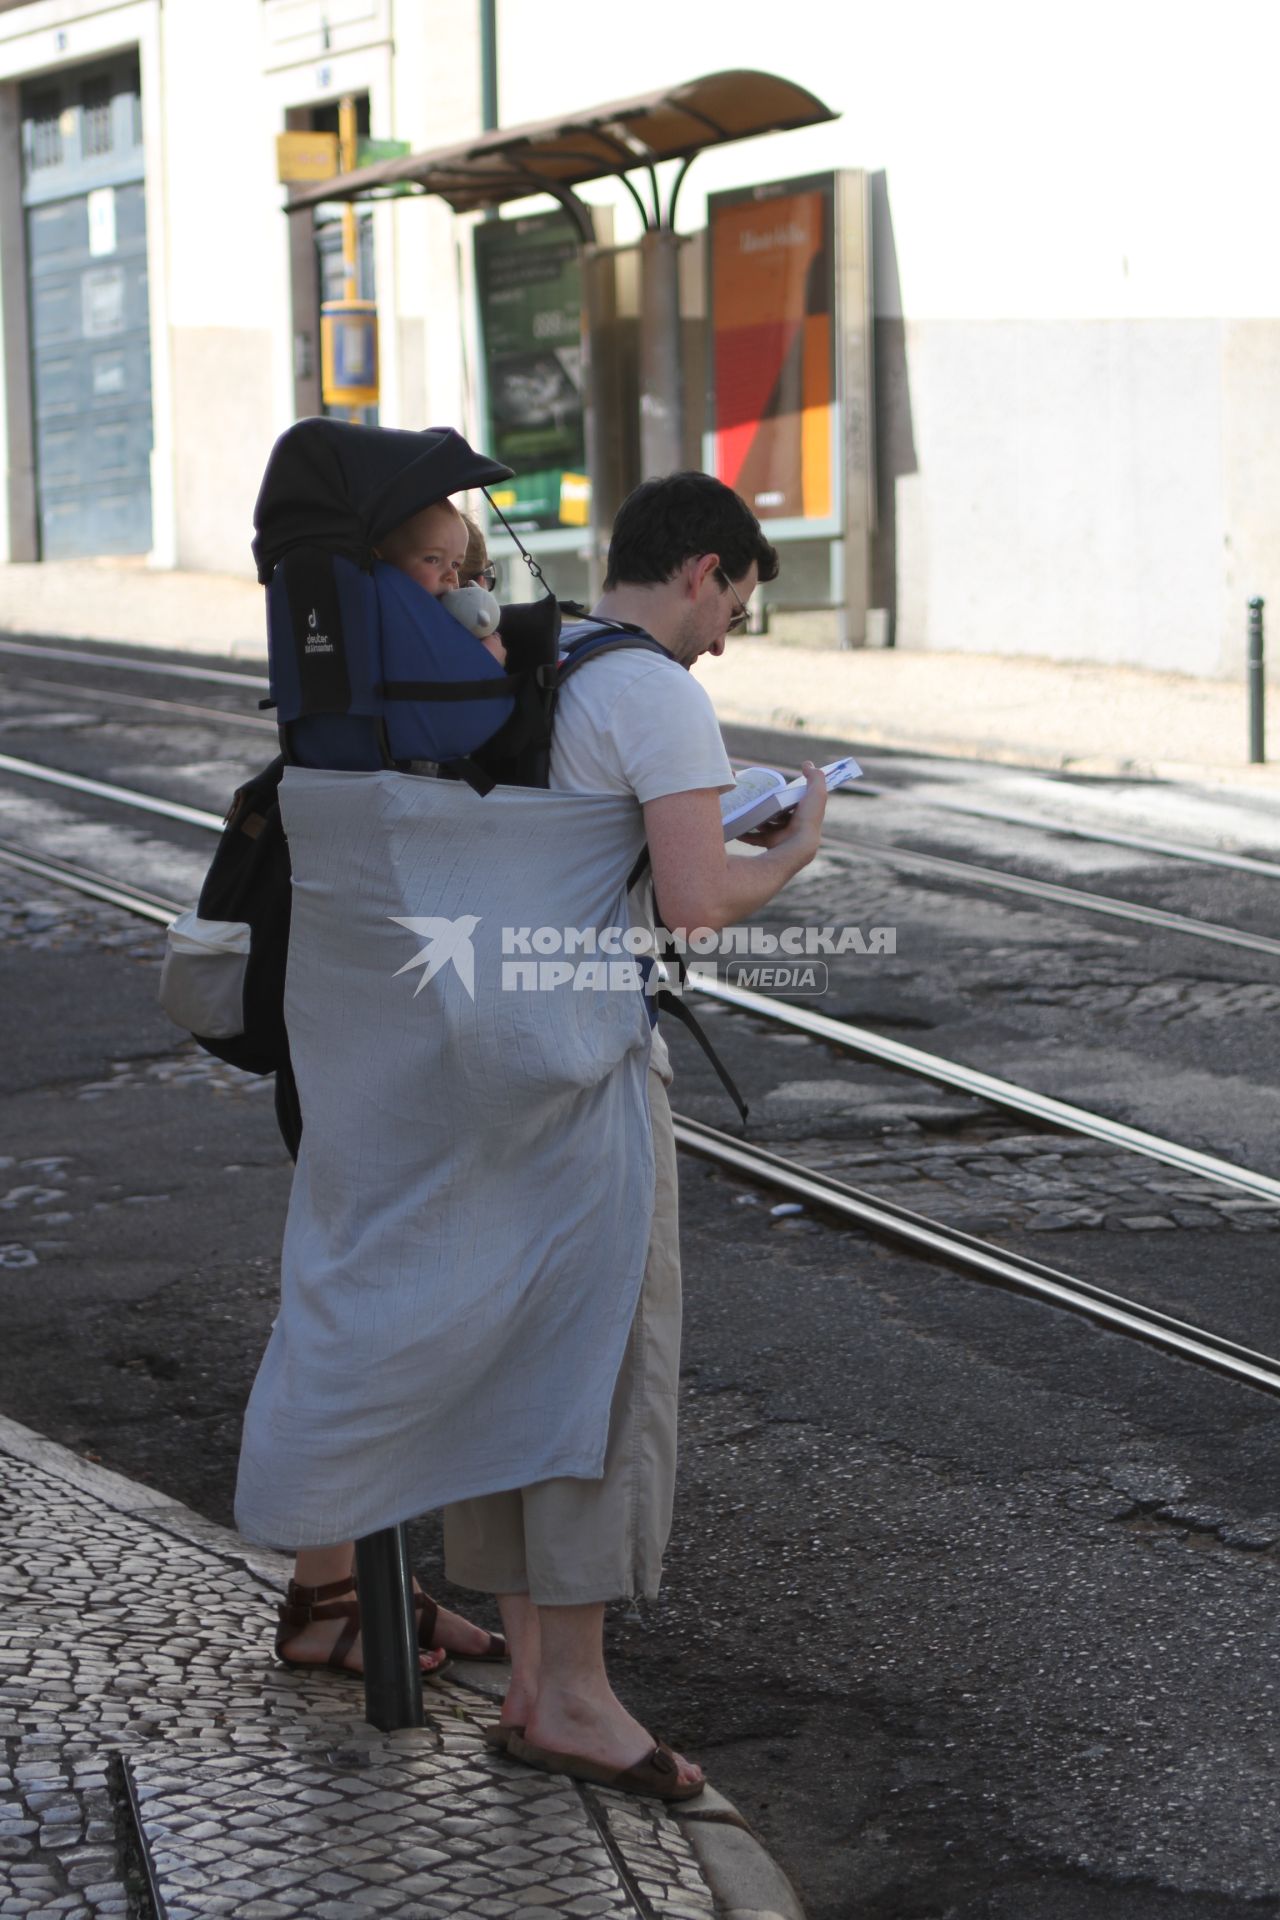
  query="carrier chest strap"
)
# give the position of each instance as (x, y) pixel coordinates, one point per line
(489, 689)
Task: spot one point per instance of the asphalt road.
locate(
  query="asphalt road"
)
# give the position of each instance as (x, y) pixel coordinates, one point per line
(970, 1606)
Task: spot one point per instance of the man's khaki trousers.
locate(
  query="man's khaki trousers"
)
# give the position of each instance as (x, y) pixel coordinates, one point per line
(573, 1542)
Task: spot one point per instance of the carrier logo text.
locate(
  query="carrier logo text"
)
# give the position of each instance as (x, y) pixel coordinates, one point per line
(316, 642)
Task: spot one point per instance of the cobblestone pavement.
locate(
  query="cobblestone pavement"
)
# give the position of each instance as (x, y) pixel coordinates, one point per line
(157, 1762)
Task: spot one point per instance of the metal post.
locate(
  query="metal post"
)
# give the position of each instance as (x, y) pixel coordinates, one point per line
(388, 1631)
(348, 150)
(661, 408)
(489, 65)
(602, 404)
(1257, 687)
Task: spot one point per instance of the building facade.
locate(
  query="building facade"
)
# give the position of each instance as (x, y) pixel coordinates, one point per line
(1076, 355)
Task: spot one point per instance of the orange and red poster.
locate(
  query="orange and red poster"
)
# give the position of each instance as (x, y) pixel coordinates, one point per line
(771, 317)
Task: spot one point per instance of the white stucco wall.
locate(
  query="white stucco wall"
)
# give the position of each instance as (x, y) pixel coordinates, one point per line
(1078, 300)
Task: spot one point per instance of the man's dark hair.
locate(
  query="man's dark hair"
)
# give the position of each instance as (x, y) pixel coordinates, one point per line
(665, 522)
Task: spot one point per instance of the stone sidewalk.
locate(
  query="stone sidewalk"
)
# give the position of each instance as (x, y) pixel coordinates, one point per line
(1023, 711)
(157, 1761)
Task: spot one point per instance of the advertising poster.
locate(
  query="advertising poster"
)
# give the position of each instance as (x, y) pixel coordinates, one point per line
(772, 299)
(529, 289)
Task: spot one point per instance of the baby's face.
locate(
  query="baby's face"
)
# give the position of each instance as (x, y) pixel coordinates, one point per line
(429, 547)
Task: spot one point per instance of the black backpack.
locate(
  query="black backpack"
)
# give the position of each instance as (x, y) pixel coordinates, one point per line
(250, 880)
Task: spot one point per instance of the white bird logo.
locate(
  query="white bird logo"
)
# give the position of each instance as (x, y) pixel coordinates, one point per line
(447, 940)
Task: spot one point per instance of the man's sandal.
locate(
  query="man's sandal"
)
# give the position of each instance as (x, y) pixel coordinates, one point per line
(302, 1606)
(656, 1777)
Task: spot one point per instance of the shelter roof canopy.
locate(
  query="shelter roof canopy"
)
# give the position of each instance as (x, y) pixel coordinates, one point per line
(513, 162)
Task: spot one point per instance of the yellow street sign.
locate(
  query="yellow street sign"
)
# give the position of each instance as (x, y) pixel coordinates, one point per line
(349, 353)
(306, 156)
(575, 500)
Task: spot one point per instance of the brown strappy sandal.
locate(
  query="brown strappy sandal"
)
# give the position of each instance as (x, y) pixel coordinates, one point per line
(303, 1605)
(427, 1611)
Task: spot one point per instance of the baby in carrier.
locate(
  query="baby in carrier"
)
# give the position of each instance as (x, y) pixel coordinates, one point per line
(441, 549)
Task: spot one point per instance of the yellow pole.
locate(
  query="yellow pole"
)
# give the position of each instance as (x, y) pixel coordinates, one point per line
(347, 164)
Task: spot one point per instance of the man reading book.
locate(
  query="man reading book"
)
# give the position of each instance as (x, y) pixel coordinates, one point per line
(684, 560)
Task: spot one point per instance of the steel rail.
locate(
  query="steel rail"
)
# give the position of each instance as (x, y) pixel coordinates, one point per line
(958, 1249)
(1058, 895)
(164, 706)
(882, 850)
(1142, 843)
(103, 790)
(985, 876)
(887, 1219)
(250, 682)
(853, 1039)
(980, 810)
(985, 1086)
(147, 906)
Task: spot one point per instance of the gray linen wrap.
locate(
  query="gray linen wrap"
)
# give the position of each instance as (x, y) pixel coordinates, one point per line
(470, 1213)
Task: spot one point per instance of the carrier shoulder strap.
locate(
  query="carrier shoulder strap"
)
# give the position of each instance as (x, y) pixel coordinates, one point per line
(614, 636)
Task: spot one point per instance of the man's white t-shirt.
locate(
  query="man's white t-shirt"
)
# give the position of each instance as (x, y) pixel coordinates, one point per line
(634, 722)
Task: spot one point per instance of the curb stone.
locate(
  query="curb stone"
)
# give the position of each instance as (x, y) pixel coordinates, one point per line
(743, 1880)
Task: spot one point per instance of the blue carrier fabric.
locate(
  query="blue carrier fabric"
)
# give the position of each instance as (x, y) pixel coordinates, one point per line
(368, 669)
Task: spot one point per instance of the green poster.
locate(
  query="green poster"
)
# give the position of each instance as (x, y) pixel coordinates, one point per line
(529, 287)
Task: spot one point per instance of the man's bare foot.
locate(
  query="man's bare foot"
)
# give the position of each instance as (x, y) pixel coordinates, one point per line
(595, 1727)
(517, 1706)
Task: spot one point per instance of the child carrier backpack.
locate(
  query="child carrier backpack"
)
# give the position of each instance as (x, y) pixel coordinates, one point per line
(367, 670)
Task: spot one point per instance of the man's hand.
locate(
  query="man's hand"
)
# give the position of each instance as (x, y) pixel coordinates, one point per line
(697, 883)
(812, 807)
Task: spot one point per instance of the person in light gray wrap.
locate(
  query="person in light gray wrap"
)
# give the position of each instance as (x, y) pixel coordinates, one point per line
(480, 1276)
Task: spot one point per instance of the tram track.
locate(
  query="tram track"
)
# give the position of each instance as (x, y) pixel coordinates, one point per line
(884, 1219)
(845, 1036)
(967, 809)
(886, 852)
(908, 859)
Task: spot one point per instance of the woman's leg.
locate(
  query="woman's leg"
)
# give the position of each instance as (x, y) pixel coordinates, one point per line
(325, 1567)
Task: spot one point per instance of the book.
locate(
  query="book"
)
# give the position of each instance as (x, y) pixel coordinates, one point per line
(760, 794)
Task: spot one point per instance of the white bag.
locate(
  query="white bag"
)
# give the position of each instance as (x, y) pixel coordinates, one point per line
(202, 979)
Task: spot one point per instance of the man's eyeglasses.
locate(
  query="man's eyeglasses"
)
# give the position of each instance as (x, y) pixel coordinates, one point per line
(738, 620)
(486, 577)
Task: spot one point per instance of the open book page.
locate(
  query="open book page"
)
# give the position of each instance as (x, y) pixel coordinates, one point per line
(760, 793)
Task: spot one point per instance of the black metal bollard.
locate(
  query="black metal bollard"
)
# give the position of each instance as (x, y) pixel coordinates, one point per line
(1257, 687)
(389, 1631)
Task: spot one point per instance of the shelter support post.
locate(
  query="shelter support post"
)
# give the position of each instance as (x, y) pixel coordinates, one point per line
(855, 386)
(602, 404)
(388, 1631)
(661, 400)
